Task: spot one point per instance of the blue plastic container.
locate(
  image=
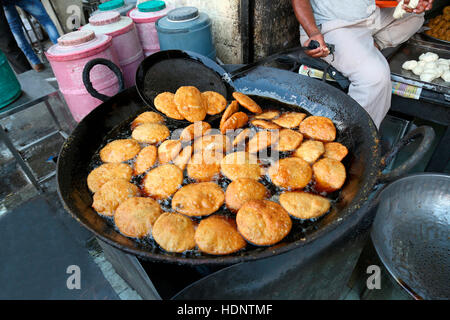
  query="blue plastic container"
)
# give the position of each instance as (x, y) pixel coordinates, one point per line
(9, 85)
(186, 29)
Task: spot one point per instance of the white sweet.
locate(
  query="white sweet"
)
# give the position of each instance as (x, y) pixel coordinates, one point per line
(409, 65)
(421, 63)
(443, 61)
(400, 12)
(441, 69)
(430, 65)
(429, 57)
(418, 70)
(446, 76)
(428, 76)
(444, 66)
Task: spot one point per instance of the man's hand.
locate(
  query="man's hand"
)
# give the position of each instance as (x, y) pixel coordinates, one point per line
(424, 5)
(320, 52)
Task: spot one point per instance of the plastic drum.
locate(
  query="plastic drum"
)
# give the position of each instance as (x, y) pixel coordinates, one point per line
(68, 58)
(125, 41)
(145, 17)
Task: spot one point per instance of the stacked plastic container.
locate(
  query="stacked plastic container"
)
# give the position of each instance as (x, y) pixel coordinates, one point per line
(125, 41)
(68, 58)
(145, 16)
(120, 6)
(186, 28)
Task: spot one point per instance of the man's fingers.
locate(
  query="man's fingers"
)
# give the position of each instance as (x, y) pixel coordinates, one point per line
(315, 52)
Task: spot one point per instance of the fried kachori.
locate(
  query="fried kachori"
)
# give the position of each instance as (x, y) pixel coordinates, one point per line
(203, 167)
(290, 173)
(288, 140)
(218, 235)
(145, 159)
(165, 103)
(242, 190)
(215, 102)
(135, 216)
(163, 181)
(335, 150)
(290, 120)
(241, 164)
(120, 150)
(318, 128)
(151, 133)
(194, 130)
(111, 194)
(168, 150)
(147, 117)
(310, 151)
(198, 199)
(247, 102)
(304, 205)
(174, 232)
(329, 174)
(190, 103)
(263, 222)
(108, 171)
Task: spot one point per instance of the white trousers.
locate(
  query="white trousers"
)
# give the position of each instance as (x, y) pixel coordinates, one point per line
(357, 58)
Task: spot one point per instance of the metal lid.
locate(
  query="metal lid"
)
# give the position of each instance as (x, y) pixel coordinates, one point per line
(111, 5)
(76, 37)
(183, 14)
(151, 6)
(104, 18)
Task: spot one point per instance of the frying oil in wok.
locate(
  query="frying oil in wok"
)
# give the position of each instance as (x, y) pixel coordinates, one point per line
(300, 228)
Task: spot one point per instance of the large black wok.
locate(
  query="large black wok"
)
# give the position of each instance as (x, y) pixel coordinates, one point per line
(166, 71)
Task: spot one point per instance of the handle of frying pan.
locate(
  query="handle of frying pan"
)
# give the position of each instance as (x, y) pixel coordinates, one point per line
(87, 78)
(427, 134)
(245, 69)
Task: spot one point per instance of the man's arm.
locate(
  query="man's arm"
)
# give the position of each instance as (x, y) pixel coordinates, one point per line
(304, 13)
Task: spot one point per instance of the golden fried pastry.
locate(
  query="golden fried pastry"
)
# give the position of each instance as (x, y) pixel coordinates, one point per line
(218, 235)
(135, 216)
(183, 157)
(151, 133)
(235, 121)
(242, 190)
(263, 222)
(212, 144)
(262, 140)
(232, 108)
(195, 130)
(247, 102)
(120, 150)
(163, 181)
(310, 151)
(318, 128)
(268, 115)
(203, 167)
(242, 136)
(241, 165)
(145, 159)
(329, 175)
(190, 103)
(265, 124)
(335, 150)
(147, 117)
(290, 173)
(198, 199)
(215, 102)
(108, 171)
(290, 119)
(168, 150)
(174, 232)
(304, 205)
(289, 140)
(111, 194)
(165, 103)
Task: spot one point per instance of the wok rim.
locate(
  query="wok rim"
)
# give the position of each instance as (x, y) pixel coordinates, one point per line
(354, 205)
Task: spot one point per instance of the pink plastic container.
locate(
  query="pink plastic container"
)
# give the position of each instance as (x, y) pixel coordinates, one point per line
(68, 58)
(125, 41)
(145, 25)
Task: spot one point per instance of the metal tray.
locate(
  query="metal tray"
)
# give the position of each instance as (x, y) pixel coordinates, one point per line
(411, 50)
